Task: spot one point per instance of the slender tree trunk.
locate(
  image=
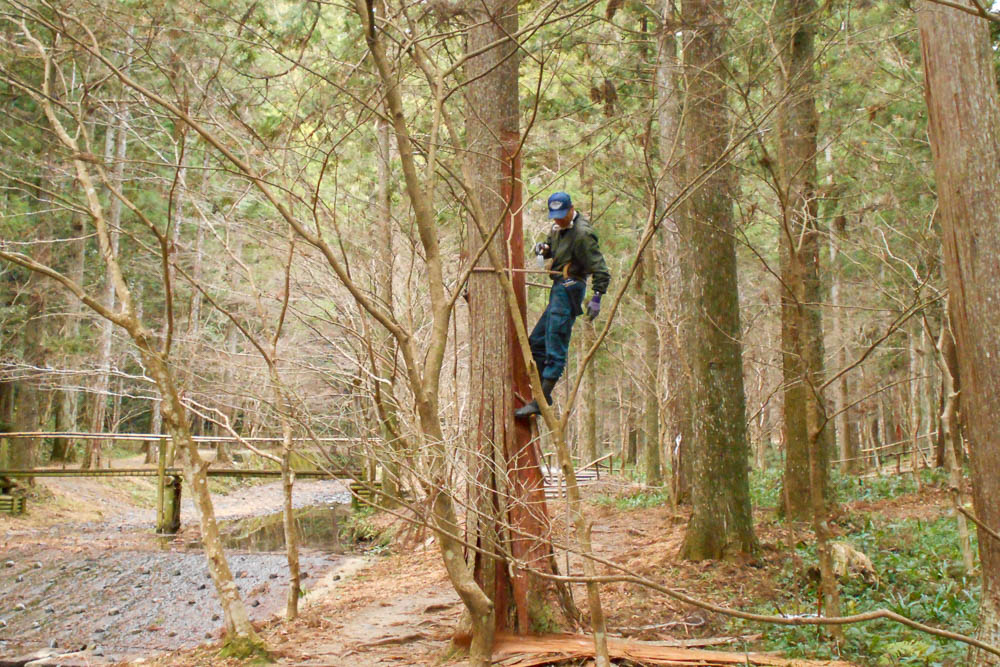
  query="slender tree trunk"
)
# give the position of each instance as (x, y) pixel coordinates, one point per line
(28, 406)
(7, 391)
(155, 363)
(588, 394)
(949, 433)
(721, 520)
(651, 345)
(115, 152)
(285, 406)
(385, 349)
(964, 128)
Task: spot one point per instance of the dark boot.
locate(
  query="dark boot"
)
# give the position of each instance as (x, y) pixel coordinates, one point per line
(532, 408)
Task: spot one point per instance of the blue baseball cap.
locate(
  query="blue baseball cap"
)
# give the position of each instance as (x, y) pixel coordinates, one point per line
(559, 203)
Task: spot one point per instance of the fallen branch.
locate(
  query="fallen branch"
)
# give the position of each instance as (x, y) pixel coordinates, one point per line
(534, 651)
(982, 526)
(775, 620)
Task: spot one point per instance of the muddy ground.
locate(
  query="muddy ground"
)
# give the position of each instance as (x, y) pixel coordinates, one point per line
(109, 584)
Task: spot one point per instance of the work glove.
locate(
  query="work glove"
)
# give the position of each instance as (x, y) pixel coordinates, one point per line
(594, 307)
(542, 249)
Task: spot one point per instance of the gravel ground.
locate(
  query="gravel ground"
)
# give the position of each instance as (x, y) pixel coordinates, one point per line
(117, 589)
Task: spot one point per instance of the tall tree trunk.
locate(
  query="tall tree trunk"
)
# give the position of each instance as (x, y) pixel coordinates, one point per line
(964, 128)
(801, 323)
(721, 520)
(847, 440)
(115, 152)
(67, 402)
(508, 490)
(670, 293)
(507, 487)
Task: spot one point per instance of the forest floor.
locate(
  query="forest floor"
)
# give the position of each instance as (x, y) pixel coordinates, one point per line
(395, 606)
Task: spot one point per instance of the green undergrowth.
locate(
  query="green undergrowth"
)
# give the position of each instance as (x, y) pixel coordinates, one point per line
(765, 485)
(141, 490)
(918, 564)
(252, 651)
(639, 499)
(359, 528)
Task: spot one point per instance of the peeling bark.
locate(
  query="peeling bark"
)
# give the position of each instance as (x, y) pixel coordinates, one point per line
(964, 127)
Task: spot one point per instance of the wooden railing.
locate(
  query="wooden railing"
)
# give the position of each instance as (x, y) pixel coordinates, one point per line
(595, 464)
(902, 448)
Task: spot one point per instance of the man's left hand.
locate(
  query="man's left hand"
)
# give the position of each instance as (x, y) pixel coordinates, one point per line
(594, 307)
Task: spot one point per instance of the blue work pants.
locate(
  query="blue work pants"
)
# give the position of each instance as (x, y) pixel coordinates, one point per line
(550, 338)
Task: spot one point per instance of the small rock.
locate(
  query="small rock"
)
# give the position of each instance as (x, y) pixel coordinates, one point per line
(190, 601)
(3, 623)
(176, 573)
(215, 617)
(19, 607)
(18, 578)
(36, 624)
(242, 574)
(144, 570)
(63, 568)
(255, 603)
(171, 634)
(99, 631)
(37, 565)
(336, 577)
(202, 587)
(9, 563)
(53, 644)
(114, 611)
(50, 610)
(208, 635)
(304, 575)
(273, 575)
(98, 650)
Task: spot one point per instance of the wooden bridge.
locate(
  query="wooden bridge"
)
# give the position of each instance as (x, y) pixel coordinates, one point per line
(169, 479)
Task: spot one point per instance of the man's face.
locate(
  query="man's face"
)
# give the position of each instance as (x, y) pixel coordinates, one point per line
(564, 221)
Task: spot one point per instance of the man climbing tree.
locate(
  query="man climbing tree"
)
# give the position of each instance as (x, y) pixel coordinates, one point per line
(574, 253)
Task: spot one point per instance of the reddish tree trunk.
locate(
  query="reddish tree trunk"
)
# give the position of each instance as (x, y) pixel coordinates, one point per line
(964, 128)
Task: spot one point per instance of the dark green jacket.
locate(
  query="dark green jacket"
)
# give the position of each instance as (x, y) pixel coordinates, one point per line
(577, 246)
